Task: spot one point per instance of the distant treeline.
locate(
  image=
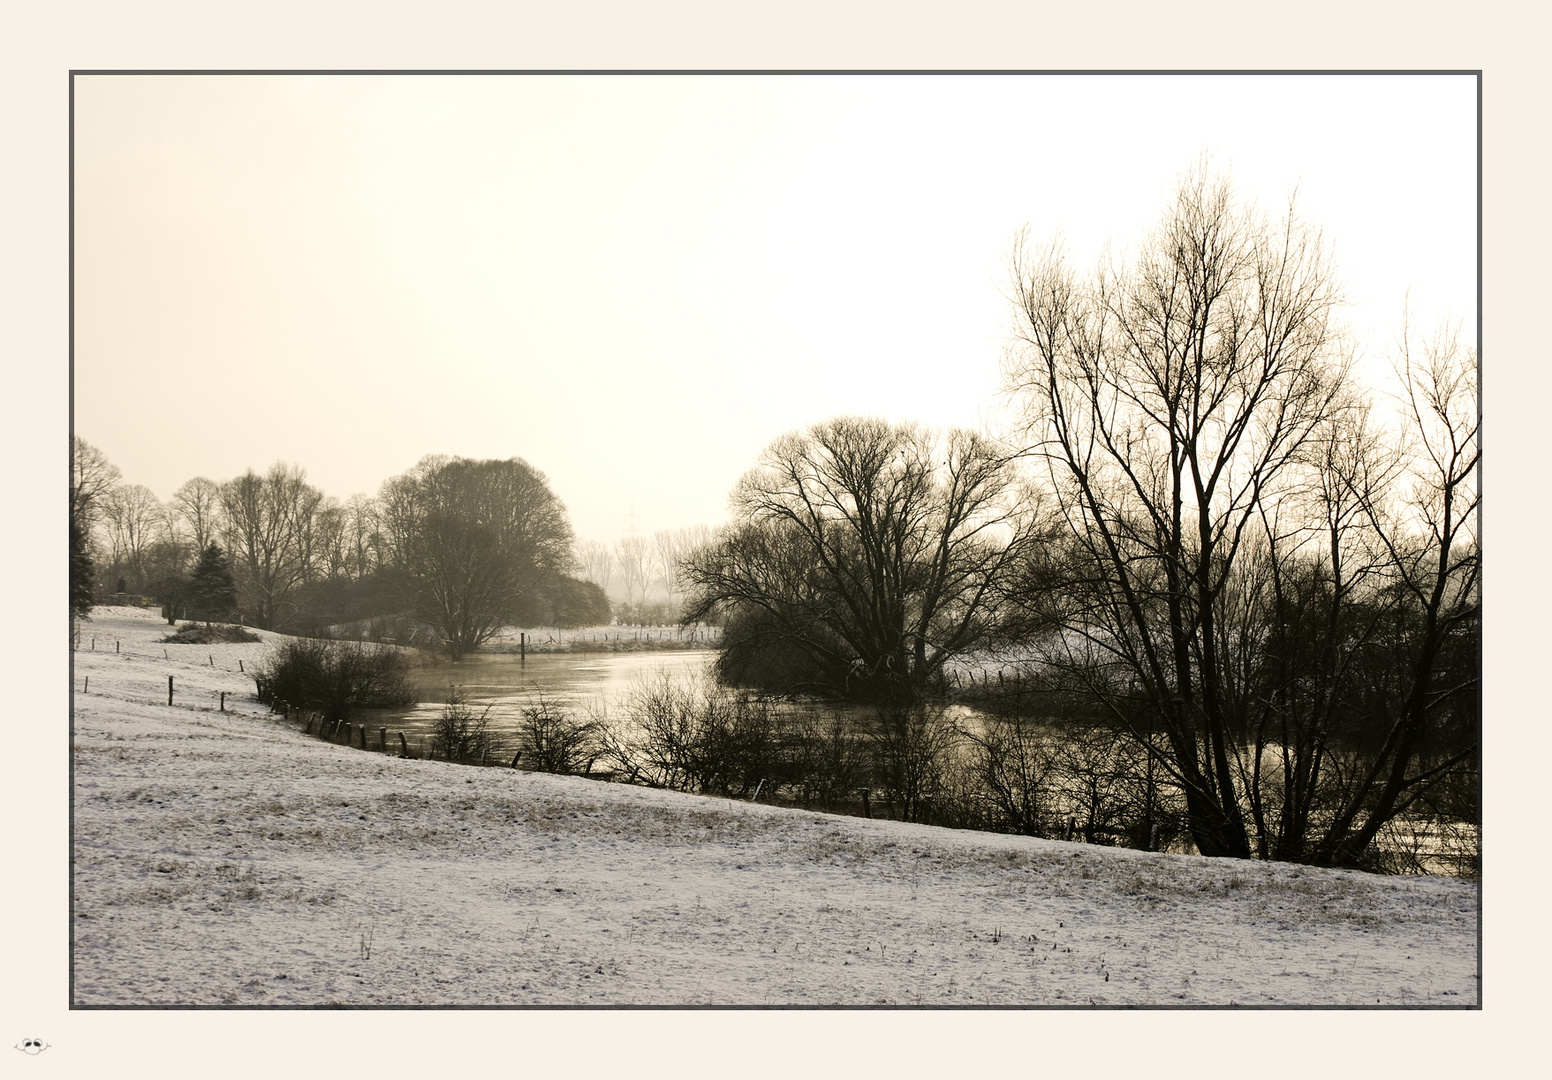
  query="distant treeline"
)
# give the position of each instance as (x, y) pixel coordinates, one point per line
(442, 557)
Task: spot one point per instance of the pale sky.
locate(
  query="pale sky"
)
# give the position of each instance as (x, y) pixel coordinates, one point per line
(635, 283)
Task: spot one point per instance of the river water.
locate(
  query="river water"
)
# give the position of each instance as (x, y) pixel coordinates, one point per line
(508, 683)
(583, 683)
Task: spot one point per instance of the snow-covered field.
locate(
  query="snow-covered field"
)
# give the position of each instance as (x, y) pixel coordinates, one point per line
(227, 859)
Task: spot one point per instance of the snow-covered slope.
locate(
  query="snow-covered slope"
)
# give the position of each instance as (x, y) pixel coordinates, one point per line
(225, 858)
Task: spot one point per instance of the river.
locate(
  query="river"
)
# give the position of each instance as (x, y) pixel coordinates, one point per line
(584, 682)
(507, 683)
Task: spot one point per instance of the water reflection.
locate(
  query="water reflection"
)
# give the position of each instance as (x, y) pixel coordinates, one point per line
(508, 683)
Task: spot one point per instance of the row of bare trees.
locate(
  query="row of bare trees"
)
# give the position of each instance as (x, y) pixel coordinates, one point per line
(454, 547)
(281, 533)
(643, 567)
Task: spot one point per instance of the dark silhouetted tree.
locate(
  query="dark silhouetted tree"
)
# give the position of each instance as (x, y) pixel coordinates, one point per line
(1243, 543)
(864, 556)
(82, 574)
(92, 476)
(211, 592)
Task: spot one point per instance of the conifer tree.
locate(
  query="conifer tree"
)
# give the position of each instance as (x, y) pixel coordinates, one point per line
(81, 573)
(212, 592)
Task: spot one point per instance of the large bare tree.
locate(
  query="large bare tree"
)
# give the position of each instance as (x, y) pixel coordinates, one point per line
(867, 554)
(632, 557)
(1191, 411)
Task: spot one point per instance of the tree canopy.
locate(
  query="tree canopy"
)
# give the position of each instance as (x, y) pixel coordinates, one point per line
(864, 556)
(471, 541)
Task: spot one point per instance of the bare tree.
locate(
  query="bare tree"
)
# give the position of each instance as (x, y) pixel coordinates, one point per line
(671, 548)
(597, 562)
(268, 525)
(134, 521)
(198, 504)
(1191, 414)
(1163, 398)
(667, 549)
(632, 557)
(1433, 569)
(92, 476)
(865, 556)
(362, 539)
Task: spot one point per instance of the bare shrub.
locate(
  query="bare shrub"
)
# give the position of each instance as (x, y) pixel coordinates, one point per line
(556, 741)
(460, 734)
(1114, 789)
(335, 677)
(828, 760)
(912, 753)
(1009, 760)
(688, 734)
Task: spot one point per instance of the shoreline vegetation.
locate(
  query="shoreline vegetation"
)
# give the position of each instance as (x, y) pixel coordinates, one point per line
(602, 639)
(978, 758)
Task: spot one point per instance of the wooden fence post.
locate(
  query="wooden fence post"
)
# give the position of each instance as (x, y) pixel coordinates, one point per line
(403, 745)
(382, 739)
(223, 701)
(88, 684)
(169, 689)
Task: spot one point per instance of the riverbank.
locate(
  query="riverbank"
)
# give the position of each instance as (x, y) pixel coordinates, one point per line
(587, 639)
(222, 858)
